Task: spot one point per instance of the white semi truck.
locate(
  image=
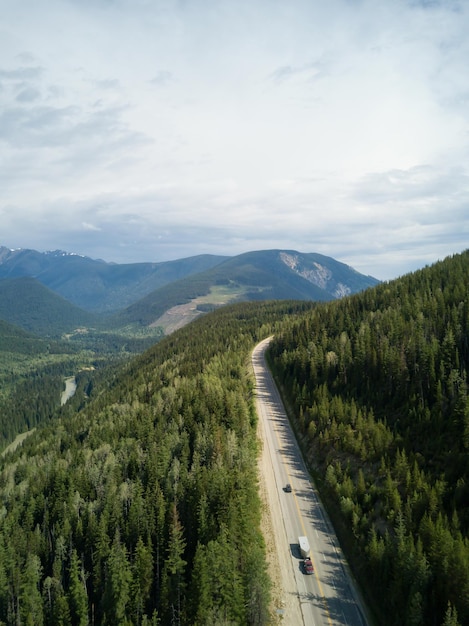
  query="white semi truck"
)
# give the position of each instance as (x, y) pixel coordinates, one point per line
(304, 546)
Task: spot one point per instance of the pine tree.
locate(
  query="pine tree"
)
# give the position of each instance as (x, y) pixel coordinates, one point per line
(3, 580)
(142, 576)
(78, 597)
(31, 600)
(451, 616)
(173, 584)
(117, 585)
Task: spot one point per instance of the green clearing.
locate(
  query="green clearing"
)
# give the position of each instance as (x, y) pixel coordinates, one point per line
(222, 294)
(225, 294)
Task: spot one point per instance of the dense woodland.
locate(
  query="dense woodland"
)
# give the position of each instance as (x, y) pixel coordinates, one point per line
(378, 385)
(32, 370)
(137, 502)
(141, 505)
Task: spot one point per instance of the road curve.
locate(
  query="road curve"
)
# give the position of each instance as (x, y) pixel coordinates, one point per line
(328, 597)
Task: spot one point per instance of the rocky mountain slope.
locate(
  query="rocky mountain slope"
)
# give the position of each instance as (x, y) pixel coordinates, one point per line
(261, 275)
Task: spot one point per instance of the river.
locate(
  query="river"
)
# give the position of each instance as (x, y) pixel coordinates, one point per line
(70, 388)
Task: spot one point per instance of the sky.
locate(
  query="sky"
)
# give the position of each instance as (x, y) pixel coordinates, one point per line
(153, 130)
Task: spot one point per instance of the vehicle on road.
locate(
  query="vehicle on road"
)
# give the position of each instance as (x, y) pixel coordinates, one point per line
(287, 488)
(304, 547)
(308, 566)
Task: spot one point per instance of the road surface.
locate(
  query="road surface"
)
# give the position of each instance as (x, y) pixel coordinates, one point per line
(327, 597)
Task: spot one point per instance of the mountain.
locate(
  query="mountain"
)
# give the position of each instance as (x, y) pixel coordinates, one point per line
(261, 275)
(95, 285)
(26, 303)
(16, 340)
(167, 294)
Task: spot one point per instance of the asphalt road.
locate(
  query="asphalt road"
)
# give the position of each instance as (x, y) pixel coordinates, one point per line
(329, 595)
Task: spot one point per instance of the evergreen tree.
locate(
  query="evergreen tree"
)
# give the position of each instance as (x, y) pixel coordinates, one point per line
(78, 597)
(117, 584)
(31, 599)
(142, 573)
(451, 617)
(174, 571)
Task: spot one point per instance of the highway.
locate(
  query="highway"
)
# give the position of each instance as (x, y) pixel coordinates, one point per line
(328, 596)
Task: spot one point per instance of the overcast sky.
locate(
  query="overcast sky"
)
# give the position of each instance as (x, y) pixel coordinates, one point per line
(151, 130)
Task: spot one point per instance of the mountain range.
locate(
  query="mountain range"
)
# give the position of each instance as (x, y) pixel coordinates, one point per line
(95, 285)
(41, 290)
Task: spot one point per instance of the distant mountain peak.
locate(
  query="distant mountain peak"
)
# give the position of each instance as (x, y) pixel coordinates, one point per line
(59, 253)
(315, 273)
(6, 252)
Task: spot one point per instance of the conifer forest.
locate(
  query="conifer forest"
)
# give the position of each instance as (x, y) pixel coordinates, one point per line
(137, 502)
(378, 383)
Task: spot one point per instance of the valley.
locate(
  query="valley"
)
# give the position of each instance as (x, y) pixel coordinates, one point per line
(116, 505)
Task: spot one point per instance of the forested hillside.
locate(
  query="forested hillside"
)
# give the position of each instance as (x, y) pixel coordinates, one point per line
(140, 504)
(142, 507)
(378, 385)
(26, 303)
(33, 371)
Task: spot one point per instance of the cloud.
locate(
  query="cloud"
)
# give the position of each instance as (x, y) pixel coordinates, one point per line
(41, 125)
(452, 5)
(52, 142)
(21, 73)
(418, 191)
(152, 130)
(28, 94)
(88, 226)
(108, 83)
(307, 73)
(161, 78)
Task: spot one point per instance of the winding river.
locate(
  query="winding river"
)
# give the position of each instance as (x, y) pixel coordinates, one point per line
(70, 388)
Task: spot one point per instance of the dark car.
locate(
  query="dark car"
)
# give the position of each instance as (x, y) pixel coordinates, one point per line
(288, 488)
(308, 566)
